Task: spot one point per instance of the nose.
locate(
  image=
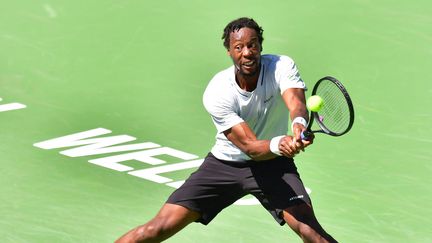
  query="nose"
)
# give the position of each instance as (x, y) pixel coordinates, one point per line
(247, 51)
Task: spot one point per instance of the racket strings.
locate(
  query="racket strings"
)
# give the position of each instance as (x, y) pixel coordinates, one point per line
(335, 113)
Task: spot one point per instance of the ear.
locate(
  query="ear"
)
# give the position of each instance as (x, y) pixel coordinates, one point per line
(228, 52)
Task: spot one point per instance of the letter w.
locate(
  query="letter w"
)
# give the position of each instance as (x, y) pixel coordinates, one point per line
(94, 145)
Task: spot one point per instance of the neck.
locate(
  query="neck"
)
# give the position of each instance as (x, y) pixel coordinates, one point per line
(247, 82)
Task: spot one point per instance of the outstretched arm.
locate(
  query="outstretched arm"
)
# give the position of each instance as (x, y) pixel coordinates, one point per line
(245, 139)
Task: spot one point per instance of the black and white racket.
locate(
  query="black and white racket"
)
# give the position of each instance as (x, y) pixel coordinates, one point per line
(336, 116)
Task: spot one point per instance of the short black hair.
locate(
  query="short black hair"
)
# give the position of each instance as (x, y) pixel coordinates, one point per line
(239, 23)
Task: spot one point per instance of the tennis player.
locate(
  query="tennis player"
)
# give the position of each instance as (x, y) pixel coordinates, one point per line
(250, 104)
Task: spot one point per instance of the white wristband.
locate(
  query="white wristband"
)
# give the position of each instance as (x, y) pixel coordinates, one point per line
(274, 145)
(299, 120)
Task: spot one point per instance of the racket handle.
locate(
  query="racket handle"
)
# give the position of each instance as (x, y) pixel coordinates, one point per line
(305, 135)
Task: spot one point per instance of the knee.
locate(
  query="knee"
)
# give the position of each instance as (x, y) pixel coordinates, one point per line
(311, 231)
(302, 220)
(149, 232)
(304, 230)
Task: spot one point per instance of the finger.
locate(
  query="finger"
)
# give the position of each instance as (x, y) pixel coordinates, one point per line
(297, 134)
(299, 145)
(287, 154)
(288, 149)
(295, 147)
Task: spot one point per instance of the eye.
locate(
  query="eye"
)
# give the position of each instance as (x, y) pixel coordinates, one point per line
(253, 45)
(238, 48)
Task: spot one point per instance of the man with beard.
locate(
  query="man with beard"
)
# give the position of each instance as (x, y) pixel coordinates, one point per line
(250, 104)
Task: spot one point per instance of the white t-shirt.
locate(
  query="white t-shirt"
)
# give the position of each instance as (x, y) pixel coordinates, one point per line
(262, 109)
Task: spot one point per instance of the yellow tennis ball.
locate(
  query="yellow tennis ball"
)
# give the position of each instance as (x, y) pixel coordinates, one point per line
(314, 103)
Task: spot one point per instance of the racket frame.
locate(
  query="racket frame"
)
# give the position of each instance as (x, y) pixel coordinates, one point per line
(315, 115)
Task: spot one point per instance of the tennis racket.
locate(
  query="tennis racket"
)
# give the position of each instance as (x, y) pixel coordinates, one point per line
(336, 117)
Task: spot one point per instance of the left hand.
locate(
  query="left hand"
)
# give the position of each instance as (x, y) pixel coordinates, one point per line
(299, 143)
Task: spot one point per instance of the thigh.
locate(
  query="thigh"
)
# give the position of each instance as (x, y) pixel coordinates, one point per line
(210, 189)
(280, 183)
(302, 220)
(297, 214)
(174, 217)
(278, 186)
(169, 220)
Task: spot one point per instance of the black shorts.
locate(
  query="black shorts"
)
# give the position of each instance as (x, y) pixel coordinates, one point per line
(217, 184)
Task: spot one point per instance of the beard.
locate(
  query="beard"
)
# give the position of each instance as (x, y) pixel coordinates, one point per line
(247, 73)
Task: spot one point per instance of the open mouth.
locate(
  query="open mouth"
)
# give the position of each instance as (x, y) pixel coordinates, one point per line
(249, 64)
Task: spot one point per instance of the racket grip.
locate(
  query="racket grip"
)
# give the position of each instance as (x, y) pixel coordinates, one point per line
(305, 135)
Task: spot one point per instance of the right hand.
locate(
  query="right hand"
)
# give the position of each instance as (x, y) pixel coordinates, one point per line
(289, 147)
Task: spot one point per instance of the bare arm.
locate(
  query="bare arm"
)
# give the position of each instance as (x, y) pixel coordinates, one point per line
(245, 139)
(296, 102)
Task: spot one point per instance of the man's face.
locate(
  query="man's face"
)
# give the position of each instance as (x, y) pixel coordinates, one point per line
(245, 51)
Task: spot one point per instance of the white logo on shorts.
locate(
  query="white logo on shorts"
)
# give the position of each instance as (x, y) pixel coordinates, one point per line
(296, 197)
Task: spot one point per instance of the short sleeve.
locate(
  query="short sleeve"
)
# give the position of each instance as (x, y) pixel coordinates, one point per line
(222, 107)
(288, 75)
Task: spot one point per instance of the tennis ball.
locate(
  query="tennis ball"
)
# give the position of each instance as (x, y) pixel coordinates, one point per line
(314, 103)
